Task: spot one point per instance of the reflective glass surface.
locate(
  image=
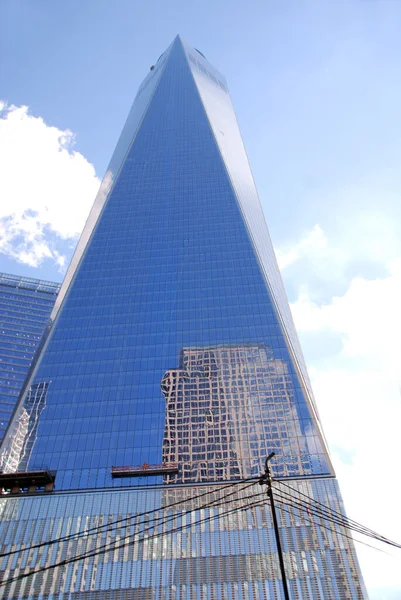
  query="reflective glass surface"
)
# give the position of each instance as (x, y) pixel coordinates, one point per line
(170, 266)
(212, 88)
(25, 307)
(173, 360)
(201, 542)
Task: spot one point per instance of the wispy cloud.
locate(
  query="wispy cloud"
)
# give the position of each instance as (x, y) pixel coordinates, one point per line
(362, 244)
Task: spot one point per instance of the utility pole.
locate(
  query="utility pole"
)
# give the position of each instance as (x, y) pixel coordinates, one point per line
(266, 479)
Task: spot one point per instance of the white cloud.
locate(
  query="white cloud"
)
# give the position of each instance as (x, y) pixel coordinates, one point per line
(46, 187)
(367, 317)
(310, 244)
(361, 239)
(357, 388)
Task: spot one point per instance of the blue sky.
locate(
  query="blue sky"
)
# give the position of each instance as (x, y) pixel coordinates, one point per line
(317, 90)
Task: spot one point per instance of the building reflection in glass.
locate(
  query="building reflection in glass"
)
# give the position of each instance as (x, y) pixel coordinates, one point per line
(227, 407)
(17, 452)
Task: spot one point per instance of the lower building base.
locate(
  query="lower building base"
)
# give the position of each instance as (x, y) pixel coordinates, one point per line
(177, 542)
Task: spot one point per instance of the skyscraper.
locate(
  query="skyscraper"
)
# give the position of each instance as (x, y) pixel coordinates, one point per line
(25, 307)
(171, 370)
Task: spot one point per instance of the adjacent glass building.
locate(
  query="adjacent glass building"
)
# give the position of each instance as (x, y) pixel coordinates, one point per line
(25, 307)
(172, 368)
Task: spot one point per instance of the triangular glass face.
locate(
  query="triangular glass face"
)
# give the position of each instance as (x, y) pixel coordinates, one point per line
(168, 349)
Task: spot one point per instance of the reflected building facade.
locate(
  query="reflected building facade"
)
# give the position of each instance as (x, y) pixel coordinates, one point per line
(172, 343)
(227, 408)
(24, 428)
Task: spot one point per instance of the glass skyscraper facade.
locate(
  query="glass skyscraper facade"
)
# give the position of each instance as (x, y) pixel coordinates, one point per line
(171, 370)
(25, 307)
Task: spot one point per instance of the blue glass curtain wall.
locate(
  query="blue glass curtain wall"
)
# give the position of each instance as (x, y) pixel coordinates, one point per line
(25, 307)
(170, 266)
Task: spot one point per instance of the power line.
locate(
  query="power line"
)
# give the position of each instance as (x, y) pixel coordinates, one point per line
(319, 511)
(112, 546)
(98, 528)
(349, 522)
(323, 511)
(349, 537)
(334, 519)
